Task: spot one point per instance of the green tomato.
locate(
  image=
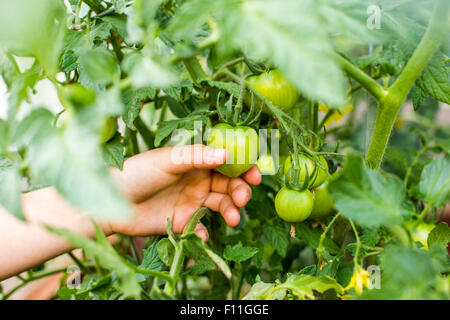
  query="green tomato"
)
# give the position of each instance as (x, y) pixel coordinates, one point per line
(266, 165)
(323, 204)
(315, 179)
(108, 129)
(420, 232)
(292, 205)
(275, 88)
(242, 144)
(75, 96)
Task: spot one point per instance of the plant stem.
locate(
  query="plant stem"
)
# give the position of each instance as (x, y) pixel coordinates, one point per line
(78, 263)
(194, 69)
(358, 242)
(390, 104)
(179, 254)
(360, 76)
(32, 278)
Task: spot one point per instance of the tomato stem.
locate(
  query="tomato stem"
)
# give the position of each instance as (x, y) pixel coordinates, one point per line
(390, 104)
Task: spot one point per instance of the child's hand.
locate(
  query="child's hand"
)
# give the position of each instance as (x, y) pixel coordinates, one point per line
(174, 182)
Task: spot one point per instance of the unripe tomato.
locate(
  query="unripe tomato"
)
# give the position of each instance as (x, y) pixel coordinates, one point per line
(75, 96)
(315, 179)
(275, 88)
(108, 129)
(323, 203)
(292, 205)
(266, 164)
(242, 144)
(420, 232)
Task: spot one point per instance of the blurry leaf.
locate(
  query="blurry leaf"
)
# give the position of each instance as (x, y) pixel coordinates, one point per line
(119, 5)
(10, 188)
(8, 68)
(239, 253)
(107, 257)
(368, 197)
(147, 72)
(70, 159)
(435, 182)
(99, 65)
(439, 235)
(290, 36)
(33, 28)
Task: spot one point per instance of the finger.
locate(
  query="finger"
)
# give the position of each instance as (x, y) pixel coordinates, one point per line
(239, 191)
(224, 204)
(253, 176)
(202, 232)
(219, 183)
(180, 159)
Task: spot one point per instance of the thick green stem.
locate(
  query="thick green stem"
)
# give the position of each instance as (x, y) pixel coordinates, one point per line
(390, 104)
(195, 69)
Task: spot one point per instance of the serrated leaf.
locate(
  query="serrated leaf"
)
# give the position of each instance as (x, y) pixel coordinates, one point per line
(439, 235)
(150, 261)
(114, 152)
(368, 197)
(434, 183)
(435, 78)
(239, 253)
(311, 236)
(278, 237)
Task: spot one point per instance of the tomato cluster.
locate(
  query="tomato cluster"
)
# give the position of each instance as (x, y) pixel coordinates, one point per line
(296, 206)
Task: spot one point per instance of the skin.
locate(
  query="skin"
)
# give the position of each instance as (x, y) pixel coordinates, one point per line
(158, 189)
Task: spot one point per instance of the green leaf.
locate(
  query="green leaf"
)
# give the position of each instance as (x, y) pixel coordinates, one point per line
(239, 253)
(99, 65)
(166, 251)
(133, 105)
(368, 197)
(70, 159)
(151, 261)
(278, 236)
(439, 235)
(33, 28)
(113, 152)
(230, 87)
(435, 78)
(194, 248)
(435, 182)
(10, 188)
(106, 257)
(302, 286)
(417, 96)
(311, 236)
(8, 68)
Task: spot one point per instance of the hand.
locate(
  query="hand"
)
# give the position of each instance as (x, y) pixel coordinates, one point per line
(174, 182)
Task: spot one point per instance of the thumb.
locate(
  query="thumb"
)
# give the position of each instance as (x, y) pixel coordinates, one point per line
(180, 159)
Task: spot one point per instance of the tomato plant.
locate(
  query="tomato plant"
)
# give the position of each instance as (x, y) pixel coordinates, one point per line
(351, 120)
